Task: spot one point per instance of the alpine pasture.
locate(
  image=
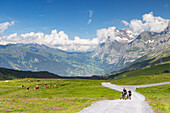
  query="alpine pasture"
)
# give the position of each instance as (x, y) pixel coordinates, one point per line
(65, 95)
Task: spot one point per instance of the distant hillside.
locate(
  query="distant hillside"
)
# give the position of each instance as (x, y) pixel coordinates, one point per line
(153, 70)
(155, 62)
(6, 74)
(35, 57)
(149, 60)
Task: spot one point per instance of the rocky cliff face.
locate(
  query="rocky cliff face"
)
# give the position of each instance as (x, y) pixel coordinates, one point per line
(152, 43)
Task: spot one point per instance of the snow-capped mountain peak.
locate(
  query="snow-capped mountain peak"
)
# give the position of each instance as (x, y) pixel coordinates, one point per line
(113, 34)
(125, 46)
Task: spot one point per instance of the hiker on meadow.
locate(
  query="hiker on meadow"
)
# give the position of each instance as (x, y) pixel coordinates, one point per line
(129, 94)
(124, 93)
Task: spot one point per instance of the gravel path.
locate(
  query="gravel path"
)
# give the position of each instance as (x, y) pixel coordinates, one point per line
(136, 105)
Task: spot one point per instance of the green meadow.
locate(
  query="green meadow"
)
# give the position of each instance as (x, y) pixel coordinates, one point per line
(158, 97)
(150, 70)
(71, 95)
(139, 80)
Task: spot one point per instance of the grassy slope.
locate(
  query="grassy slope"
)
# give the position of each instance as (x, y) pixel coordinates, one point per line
(149, 60)
(148, 79)
(70, 96)
(146, 71)
(9, 74)
(158, 97)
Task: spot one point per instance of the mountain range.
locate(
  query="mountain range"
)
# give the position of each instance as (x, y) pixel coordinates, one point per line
(123, 49)
(148, 44)
(35, 57)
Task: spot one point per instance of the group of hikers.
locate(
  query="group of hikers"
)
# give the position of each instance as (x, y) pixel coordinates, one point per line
(126, 94)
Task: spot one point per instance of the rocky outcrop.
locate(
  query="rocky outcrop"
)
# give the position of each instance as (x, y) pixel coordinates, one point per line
(147, 42)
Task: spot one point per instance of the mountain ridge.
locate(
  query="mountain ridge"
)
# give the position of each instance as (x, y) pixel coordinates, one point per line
(146, 42)
(111, 55)
(35, 57)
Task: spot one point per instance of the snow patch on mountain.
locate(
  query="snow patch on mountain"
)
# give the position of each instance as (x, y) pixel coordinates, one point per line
(124, 46)
(112, 33)
(149, 41)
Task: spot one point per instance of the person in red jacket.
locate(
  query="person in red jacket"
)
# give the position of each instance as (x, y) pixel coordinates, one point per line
(130, 94)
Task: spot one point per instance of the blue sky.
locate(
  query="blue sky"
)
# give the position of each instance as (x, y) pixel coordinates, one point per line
(72, 16)
(80, 18)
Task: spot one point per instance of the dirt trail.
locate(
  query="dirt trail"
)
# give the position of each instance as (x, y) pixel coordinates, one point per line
(136, 105)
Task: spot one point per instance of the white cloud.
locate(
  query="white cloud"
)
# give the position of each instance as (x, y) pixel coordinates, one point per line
(114, 34)
(126, 23)
(90, 16)
(137, 26)
(4, 26)
(56, 39)
(90, 13)
(60, 40)
(89, 21)
(155, 24)
(149, 22)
